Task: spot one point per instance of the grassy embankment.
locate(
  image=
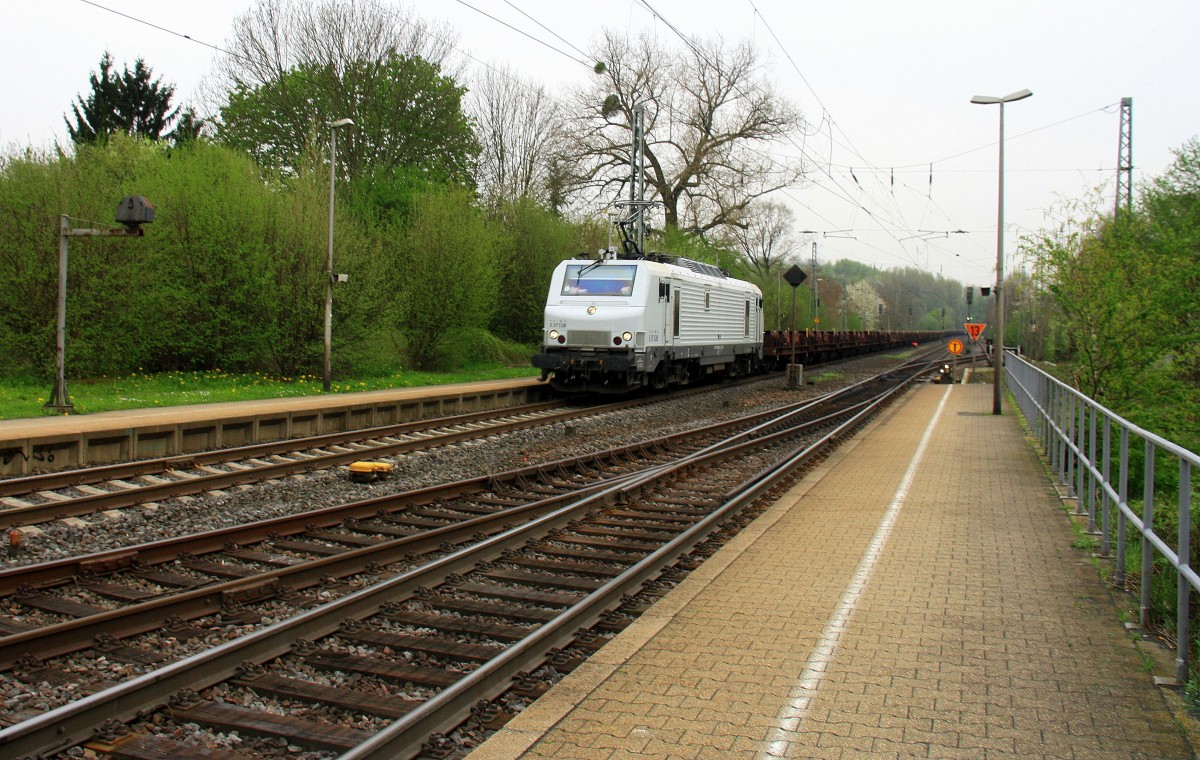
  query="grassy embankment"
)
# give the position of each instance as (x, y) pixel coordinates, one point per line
(21, 398)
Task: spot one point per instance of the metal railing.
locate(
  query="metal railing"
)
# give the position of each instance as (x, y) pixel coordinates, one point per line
(1077, 438)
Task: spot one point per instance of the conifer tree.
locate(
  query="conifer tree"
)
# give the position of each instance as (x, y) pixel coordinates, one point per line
(130, 102)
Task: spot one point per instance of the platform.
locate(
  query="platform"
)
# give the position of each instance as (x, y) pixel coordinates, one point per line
(915, 596)
(54, 443)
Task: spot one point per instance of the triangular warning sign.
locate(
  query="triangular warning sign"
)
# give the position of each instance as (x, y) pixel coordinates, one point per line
(974, 329)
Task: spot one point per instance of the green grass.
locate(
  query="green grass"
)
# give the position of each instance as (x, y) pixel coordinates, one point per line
(20, 398)
(826, 376)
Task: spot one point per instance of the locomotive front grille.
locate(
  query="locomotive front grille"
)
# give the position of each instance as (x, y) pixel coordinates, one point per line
(589, 338)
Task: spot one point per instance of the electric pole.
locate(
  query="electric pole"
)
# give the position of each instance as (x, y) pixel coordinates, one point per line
(1125, 159)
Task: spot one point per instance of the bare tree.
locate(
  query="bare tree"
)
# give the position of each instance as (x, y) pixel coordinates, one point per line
(520, 131)
(708, 115)
(295, 67)
(764, 237)
(275, 36)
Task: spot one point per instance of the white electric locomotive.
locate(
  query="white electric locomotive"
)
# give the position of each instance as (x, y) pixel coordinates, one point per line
(618, 324)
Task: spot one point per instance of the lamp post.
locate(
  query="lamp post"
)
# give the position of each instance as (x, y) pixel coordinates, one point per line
(814, 271)
(817, 303)
(333, 128)
(998, 361)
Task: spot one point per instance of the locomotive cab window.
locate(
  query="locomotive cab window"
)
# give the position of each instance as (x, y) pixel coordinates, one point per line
(602, 280)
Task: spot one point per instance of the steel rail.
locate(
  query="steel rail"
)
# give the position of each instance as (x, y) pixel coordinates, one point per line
(74, 722)
(169, 549)
(26, 484)
(79, 633)
(40, 513)
(90, 475)
(17, 516)
(450, 706)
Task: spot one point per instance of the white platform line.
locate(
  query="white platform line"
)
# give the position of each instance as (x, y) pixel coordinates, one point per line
(790, 719)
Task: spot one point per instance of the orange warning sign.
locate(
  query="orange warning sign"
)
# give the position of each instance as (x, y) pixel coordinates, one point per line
(974, 329)
(955, 346)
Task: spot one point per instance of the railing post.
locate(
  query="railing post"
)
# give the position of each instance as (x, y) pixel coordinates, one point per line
(1060, 435)
(1092, 467)
(1147, 525)
(1122, 501)
(1183, 590)
(1051, 435)
(1105, 500)
(1043, 423)
(1080, 460)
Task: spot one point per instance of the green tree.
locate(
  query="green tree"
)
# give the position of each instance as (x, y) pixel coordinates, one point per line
(536, 241)
(129, 103)
(1171, 205)
(31, 188)
(409, 134)
(406, 114)
(1125, 289)
(230, 275)
(441, 278)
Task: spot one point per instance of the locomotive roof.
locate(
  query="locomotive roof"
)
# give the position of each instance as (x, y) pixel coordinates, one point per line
(699, 267)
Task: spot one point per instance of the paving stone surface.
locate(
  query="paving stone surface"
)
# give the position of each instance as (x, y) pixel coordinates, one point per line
(916, 596)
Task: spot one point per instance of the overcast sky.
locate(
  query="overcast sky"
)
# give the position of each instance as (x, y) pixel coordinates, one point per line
(884, 85)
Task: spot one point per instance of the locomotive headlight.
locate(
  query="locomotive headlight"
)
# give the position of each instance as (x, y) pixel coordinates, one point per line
(591, 310)
(553, 335)
(627, 336)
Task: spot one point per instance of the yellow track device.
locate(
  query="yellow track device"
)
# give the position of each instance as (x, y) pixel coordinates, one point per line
(368, 472)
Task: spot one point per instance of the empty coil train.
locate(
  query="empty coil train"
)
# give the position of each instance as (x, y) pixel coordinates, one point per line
(615, 325)
(618, 324)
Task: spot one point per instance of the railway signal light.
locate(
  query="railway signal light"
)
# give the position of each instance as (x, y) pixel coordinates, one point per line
(132, 211)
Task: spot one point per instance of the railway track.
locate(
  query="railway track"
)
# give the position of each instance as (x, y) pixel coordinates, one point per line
(498, 588)
(36, 499)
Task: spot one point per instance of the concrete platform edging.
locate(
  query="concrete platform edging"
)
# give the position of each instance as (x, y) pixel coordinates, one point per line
(56, 443)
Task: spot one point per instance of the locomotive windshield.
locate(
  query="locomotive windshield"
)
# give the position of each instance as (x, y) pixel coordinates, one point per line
(603, 280)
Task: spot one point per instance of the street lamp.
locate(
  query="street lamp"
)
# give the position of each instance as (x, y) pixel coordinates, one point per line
(998, 361)
(333, 128)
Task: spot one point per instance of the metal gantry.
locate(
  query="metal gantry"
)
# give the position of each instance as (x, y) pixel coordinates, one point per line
(1125, 159)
